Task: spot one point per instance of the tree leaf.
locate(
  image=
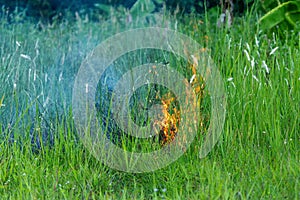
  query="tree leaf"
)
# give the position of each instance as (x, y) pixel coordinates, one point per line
(142, 7)
(287, 12)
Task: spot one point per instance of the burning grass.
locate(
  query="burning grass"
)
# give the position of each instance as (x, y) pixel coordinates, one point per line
(169, 120)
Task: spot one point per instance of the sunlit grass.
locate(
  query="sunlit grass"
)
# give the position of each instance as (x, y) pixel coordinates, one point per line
(256, 157)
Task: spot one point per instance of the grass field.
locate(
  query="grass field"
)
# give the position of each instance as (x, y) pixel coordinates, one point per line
(257, 156)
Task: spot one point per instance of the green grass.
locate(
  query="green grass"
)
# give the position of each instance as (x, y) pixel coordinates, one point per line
(257, 156)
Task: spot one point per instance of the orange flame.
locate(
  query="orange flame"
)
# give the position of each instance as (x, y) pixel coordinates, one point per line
(171, 118)
(168, 125)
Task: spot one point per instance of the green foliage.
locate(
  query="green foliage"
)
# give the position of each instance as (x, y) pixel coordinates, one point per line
(46, 10)
(139, 9)
(257, 157)
(142, 7)
(284, 14)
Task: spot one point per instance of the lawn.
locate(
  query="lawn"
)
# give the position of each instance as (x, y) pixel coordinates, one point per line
(42, 157)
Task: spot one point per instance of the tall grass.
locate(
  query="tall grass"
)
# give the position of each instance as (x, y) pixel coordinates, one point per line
(256, 157)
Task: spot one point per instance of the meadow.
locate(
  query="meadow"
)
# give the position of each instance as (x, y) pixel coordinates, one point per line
(41, 157)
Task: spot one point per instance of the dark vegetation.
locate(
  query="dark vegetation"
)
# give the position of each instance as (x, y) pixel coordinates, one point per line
(49, 9)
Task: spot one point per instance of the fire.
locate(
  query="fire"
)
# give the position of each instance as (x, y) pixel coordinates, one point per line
(170, 120)
(196, 81)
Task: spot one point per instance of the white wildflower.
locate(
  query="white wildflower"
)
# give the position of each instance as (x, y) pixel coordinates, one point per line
(34, 75)
(252, 63)
(60, 77)
(25, 56)
(46, 78)
(255, 78)
(248, 47)
(287, 82)
(7, 182)
(86, 88)
(273, 50)
(256, 41)
(46, 102)
(247, 55)
(265, 66)
(246, 71)
(230, 79)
